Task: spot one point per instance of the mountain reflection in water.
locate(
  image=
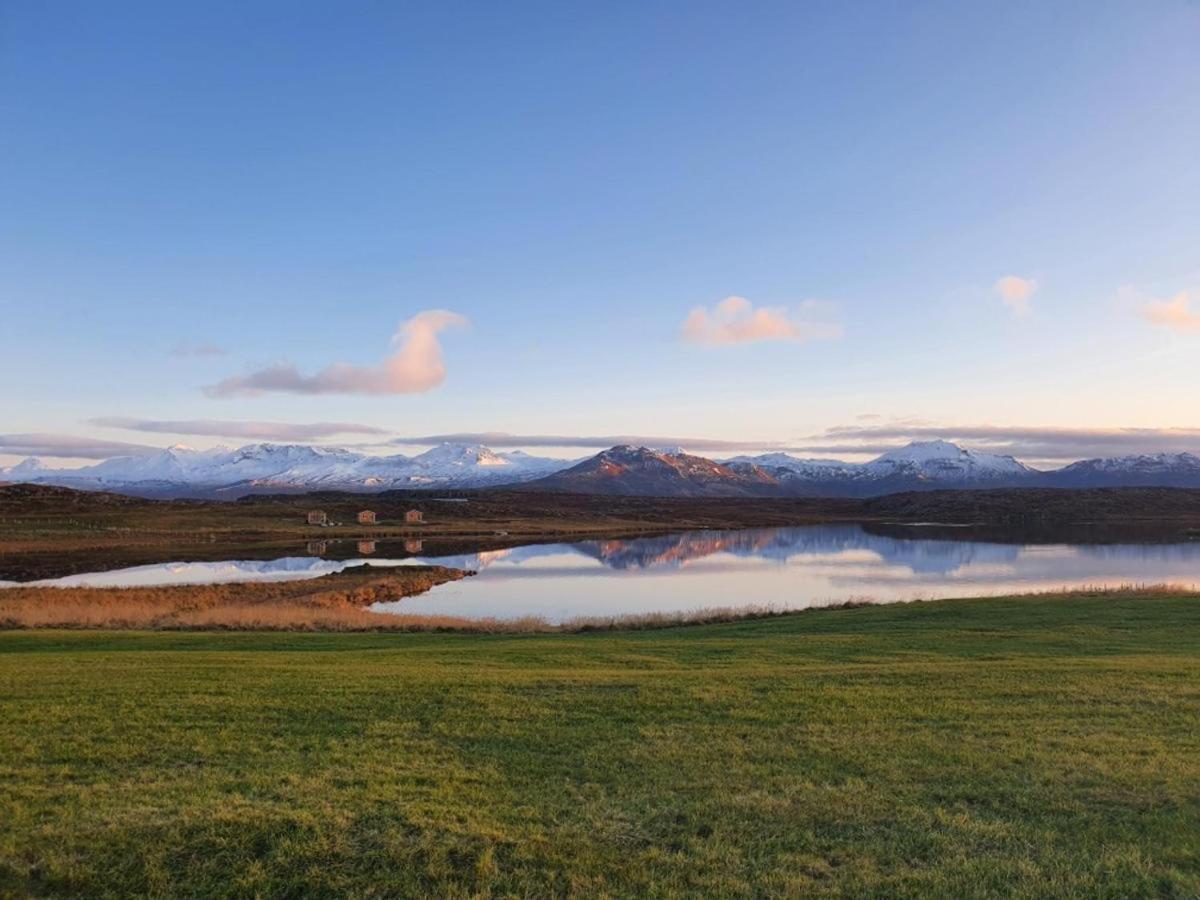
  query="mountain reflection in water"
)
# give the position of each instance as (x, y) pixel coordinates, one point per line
(778, 567)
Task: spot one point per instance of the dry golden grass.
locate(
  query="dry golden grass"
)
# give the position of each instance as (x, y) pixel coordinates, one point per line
(331, 603)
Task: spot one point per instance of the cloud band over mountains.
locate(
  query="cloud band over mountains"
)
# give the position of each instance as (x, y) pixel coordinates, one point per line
(264, 431)
(505, 440)
(1048, 444)
(1024, 442)
(65, 446)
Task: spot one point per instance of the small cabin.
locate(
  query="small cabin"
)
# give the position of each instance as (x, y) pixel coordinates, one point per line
(366, 517)
(414, 517)
(317, 517)
(366, 547)
(412, 546)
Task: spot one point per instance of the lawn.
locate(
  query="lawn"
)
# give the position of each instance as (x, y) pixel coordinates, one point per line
(1045, 746)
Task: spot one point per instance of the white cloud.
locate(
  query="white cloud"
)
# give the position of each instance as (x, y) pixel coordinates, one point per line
(1176, 313)
(1016, 293)
(735, 320)
(414, 368)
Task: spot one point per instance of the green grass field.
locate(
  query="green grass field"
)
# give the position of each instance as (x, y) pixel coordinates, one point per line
(1046, 746)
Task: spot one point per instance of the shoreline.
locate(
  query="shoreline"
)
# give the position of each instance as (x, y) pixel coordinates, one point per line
(340, 603)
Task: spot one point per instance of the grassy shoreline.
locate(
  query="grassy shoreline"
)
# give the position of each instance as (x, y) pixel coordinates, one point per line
(1042, 745)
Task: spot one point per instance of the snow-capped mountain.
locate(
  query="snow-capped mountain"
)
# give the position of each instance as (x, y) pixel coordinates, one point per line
(943, 461)
(920, 465)
(179, 471)
(795, 473)
(26, 470)
(640, 471)
(1158, 470)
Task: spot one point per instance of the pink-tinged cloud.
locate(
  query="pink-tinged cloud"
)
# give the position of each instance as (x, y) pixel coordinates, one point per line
(415, 367)
(1016, 293)
(735, 320)
(1176, 313)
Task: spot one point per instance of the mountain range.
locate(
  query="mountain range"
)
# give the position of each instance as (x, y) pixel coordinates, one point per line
(223, 472)
(624, 470)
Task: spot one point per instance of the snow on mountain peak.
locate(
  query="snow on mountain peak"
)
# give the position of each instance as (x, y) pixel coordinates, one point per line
(922, 451)
(948, 460)
(26, 468)
(1142, 462)
(792, 463)
(461, 455)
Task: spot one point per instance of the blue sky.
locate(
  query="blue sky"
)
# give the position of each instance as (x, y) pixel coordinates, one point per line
(286, 183)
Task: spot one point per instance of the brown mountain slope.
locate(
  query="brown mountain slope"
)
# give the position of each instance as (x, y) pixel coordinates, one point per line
(640, 471)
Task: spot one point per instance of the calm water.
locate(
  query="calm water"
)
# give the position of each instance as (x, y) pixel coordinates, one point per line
(779, 567)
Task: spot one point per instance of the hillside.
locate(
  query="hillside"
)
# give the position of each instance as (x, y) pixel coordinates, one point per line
(1039, 506)
(61, 514)
(640, 471)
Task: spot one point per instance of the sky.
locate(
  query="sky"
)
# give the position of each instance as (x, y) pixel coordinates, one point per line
(823, 227)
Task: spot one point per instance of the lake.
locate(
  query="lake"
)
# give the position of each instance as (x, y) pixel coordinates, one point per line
(790, 568)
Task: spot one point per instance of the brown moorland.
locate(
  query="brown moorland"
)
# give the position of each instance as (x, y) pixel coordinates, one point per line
(34, 517)
(40, 517)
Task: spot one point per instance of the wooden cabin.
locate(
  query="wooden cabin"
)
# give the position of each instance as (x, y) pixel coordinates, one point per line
(317, 517)
(366, 517)
(412, 546)
(414, 517)
(366, 547)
